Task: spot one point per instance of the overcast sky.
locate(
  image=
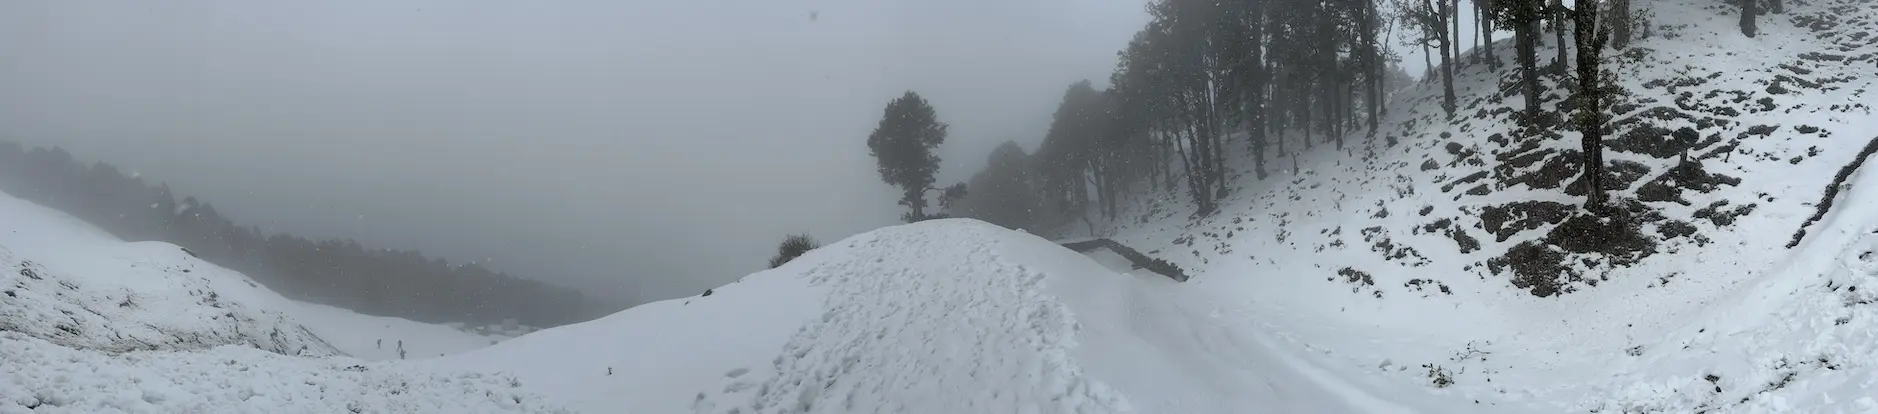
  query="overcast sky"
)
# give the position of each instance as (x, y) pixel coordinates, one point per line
(636, 149)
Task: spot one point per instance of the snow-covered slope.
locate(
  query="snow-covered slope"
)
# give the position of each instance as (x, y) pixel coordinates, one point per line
(1414, 256)
(91, 324)
(71, 284)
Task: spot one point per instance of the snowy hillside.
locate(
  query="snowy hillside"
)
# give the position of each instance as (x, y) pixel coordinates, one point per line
(89, 323)
(1441, 252)
(73, 285)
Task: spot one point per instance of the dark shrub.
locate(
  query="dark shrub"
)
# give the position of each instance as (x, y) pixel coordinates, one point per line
(793, 246)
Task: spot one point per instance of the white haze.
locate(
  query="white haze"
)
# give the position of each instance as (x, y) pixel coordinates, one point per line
(638, 150)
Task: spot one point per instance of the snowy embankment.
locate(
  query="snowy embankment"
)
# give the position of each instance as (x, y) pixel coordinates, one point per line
(90, 324)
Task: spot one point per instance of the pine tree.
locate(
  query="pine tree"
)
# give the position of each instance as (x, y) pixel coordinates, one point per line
(902, 146)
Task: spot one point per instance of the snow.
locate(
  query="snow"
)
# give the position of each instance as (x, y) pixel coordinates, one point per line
(377, 338)
(1781, 330)
(659, 354)
(75, 285)
(91, 324)
(961, 316)
(42, 377)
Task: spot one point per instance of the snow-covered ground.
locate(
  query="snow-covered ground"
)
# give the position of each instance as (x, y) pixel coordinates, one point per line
(1369, 279)
(92, 324)
(378, 338)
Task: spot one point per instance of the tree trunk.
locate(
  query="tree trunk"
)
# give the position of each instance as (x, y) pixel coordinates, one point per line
(1558, 30)
(1447, 77)
(1590, 105)
(1430, 64)
(1454, 19)
(1196, 181)
(1775, 6)
(1373, 89)
(1486, 32)
(1306, 125)
(1620, 23)
(1215, 130)
(1278, 119)
(1255, 94)
(1526, 38)
(1479, 40)
(1748, 11)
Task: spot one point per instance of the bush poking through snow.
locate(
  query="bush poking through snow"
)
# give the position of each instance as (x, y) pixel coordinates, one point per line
(793, 246)
(1438, 376)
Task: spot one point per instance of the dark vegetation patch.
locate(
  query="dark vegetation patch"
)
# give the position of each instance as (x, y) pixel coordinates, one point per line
(1760, 130)
(1722, 216)
(1536, 267)
(1561, 166)
(1767, 104)
(1479, 190)
(1674, 229)
(1436, 226)
(1469, 179)
(1422, 285)
(1618, 175)
(1545, 267)
(1615, 236)
(1686, 176)
(1503, 221)
(1380, 243)
(1648, 139)
(1358, 280)
(1351, 275)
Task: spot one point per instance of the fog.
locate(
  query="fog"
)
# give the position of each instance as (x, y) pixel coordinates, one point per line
(638, 150)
